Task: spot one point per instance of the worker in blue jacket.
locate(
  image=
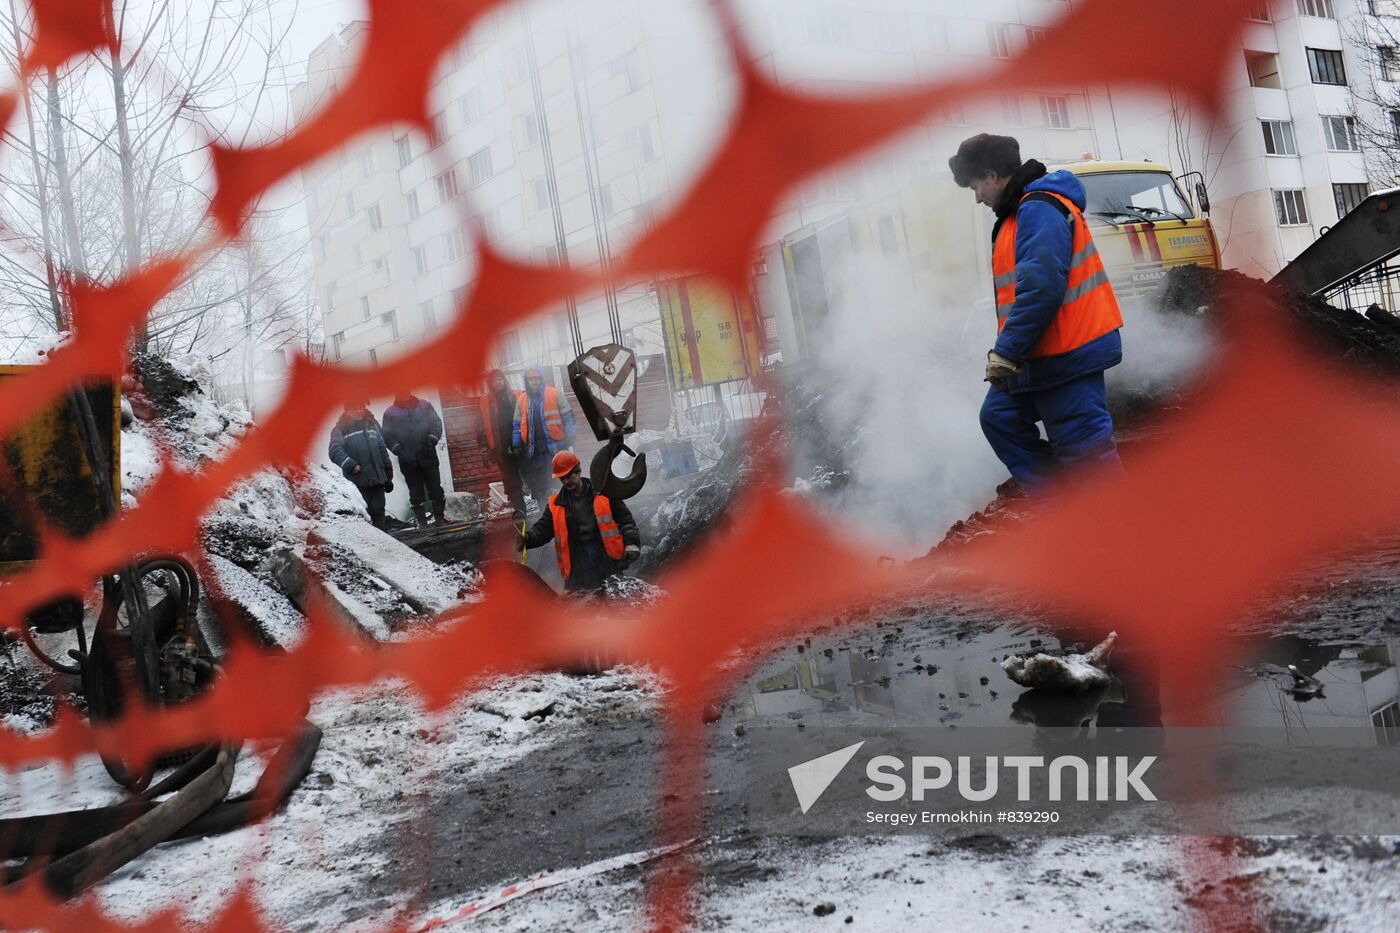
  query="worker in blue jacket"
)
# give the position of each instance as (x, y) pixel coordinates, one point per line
(1058, 319)
(542, 427)
(412, 429)
(357, 447)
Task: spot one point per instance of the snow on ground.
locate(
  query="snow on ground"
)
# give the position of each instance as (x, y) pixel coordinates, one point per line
(322, 864)
(984, 883)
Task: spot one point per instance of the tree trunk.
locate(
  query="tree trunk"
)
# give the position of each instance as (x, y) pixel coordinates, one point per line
(60, 317)
(131, 234)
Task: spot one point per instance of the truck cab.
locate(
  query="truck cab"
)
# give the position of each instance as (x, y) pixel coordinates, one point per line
(1143, 224)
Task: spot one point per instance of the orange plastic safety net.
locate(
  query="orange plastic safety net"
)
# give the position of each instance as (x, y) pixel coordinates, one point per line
(1280, 457)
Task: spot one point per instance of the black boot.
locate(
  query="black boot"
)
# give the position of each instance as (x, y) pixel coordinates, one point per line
(420, 517)
(440, 515)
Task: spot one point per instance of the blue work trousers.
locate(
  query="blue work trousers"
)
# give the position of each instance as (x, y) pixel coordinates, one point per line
(1077, 424)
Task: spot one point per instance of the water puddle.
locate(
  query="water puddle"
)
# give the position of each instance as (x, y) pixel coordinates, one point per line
(956, 680)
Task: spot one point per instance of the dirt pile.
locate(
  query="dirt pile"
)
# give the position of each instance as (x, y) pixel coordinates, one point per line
(1372, 344)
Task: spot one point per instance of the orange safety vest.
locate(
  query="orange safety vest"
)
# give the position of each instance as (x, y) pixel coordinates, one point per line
(488, 421)
(607, 527)
(553, 416)
(1090, 308)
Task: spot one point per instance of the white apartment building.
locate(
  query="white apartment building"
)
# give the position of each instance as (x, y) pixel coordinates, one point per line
(654, 88)
(1299, 143)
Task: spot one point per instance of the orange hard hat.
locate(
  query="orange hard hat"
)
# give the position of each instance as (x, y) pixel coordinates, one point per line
(565, 462)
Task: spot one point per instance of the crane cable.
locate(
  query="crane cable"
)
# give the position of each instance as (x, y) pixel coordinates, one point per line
(551, 180)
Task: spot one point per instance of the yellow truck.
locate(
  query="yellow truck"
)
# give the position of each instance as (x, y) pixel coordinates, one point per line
(1143, 223)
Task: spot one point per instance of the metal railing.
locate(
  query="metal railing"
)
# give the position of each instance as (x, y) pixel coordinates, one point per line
(1379, 285)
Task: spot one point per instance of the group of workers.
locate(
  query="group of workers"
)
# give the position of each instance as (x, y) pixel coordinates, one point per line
(1058, 324)
(529, 436)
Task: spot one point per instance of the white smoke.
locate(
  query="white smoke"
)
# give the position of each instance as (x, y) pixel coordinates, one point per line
(904, 376)
(1162, 350)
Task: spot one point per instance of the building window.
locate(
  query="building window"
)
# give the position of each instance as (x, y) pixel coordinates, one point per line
(1278, 137)
(391, 321)
(479, 165)
(429, 317)
(381, 268)
(1386, 64)
(447, 186)
(474, 104)
(376, 220)
(1290, 208)
(454, 244)
(366, 164)
(1326, 66)
(1259, 10)
(413, 210)
(539, 195)
(1322, 8)
(440, 123)
(510, 345)
(1349, 197)
(337, 340)
(364, 307)
(1035, 36)
(894, 31)
(1011, 112)
(349, 202)
(519, 64)
(1395, 126)
(1263, 69)
(459, 297)
(405, 152)
(889, 240)
(528, 126)
(605, 200)
(999, 40)
(640, 142)
(1056, 112)
(373, 357)
(1340, 133)
(321, 247)
(420, 258)
(952, 115)
(830, 26)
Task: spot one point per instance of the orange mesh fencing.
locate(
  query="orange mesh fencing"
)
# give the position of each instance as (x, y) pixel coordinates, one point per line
(1263, 471)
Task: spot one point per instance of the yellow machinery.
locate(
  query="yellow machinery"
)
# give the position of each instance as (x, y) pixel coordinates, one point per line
(47, 460)
(1143, 224)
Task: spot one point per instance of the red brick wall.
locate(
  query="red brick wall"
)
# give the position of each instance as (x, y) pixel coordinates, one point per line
(473, 471)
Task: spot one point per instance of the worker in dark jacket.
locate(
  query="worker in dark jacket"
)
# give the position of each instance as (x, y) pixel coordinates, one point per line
(494, 437)
(357, 447)
(543, 426)
(1057, 316)
(412, 429)
(594, 537)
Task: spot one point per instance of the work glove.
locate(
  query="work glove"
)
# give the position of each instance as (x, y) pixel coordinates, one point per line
(1000, 369)
(388, 486)
(631, 553)
(346, 469)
